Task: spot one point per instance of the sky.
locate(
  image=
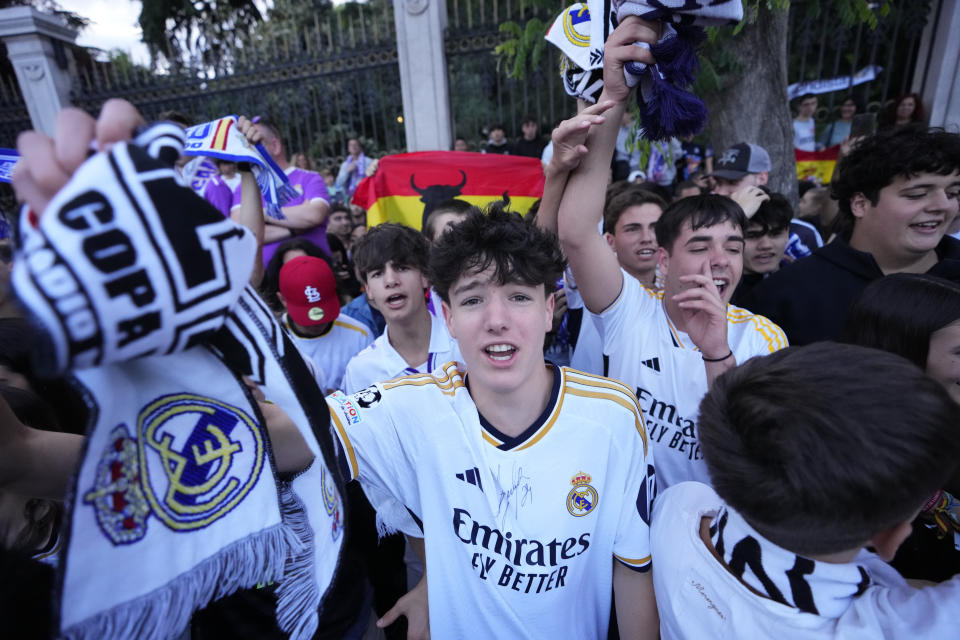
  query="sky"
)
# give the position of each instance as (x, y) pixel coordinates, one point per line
(113, 25)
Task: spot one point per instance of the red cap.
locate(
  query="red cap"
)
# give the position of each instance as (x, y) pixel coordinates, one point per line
(309, 290)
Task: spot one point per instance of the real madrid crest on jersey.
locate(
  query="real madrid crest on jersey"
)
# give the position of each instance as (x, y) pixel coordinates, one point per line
(583, 498)
(183, 468)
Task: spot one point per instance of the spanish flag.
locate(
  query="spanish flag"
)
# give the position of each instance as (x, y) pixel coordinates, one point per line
(408, 186)
(816, 166)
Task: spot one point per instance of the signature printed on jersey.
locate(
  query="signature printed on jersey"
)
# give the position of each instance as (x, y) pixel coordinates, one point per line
(519, 494)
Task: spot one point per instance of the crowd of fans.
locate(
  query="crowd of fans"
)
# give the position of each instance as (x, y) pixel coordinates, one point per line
(803, 490)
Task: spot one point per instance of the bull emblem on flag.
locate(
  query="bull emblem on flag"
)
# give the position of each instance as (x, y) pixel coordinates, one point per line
(435, 194)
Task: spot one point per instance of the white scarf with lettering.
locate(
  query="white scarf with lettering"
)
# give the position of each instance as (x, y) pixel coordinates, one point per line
(140, 288)
(821, 588)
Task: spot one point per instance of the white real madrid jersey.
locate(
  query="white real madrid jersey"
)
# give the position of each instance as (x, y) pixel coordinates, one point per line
(334, 349)
(661, 364)
(380, 361)
(521, 532)
(700, 598)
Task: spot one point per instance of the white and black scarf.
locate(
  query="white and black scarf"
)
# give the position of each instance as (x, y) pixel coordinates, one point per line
(821, 588)
(667, 107)
(140, 288)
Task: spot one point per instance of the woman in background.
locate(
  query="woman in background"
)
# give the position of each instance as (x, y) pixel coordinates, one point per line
(917, 316)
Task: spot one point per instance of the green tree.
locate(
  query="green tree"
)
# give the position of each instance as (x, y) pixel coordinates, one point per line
(743, 78)
(196, 33)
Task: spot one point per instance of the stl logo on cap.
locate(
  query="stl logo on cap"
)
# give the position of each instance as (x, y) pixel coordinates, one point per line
(312, 294)
(309, 292)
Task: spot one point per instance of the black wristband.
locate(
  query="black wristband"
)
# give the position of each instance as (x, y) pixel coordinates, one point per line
(706, 359)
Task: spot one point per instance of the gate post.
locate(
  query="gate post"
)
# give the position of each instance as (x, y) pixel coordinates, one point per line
(35, 46)
(423, 73)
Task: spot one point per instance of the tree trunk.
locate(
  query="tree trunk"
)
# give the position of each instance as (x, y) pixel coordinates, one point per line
(754, 107)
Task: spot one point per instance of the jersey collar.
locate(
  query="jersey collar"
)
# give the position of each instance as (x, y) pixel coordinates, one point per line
(535, 431)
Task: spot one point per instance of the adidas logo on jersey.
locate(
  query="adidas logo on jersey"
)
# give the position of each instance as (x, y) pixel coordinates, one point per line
(471, 476)
(653, 363)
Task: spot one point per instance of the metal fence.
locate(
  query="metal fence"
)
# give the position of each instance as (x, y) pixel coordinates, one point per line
(821, 46)
(338, 77)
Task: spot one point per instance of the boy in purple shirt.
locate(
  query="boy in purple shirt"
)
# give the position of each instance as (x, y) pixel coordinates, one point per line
(306, 215)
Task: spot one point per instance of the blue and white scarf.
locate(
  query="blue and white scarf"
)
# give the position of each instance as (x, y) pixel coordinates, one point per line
(8, 159)
(140, 288)
(221, 139)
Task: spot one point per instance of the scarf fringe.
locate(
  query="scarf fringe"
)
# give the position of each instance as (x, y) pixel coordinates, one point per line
(671, 111)
(298, 598)
(166, 612)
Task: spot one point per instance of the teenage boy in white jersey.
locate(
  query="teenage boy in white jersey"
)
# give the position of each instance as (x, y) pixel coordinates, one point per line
(668, 345)
(392, 260)
(529, 483)
(308, 291)
(810, 468)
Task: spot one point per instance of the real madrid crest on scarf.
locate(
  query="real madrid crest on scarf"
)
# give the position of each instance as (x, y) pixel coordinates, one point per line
(141, 289)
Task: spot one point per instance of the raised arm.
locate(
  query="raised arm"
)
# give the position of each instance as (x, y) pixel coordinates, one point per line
(250, 211)
(569, 149)
(594, 266)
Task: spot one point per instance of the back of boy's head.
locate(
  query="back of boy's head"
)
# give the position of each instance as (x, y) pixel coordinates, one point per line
(774, 215)
(632, 196)
(818, 457)
(459, 207)
(700, 211)
(516, 250)
(390, 242)
(875, 162)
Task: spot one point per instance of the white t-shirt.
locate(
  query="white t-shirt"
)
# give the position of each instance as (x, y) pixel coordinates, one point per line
(803, 135)
(588, 353)
(380, 361)
(699, 598)
(334, 349)
(647, 352)
(519, 532)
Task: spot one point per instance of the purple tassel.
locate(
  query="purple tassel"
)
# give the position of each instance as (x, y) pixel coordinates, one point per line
(677, 56)
(670, 111)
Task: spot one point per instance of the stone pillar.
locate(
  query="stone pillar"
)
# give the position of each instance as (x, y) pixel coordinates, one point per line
(936, 76)
(423, 73)
(35, 46)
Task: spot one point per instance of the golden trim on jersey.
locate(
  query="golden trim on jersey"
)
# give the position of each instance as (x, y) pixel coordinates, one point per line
(489, 438)
(612, 390)
(449, 382)
(361, 330)
(775, 337)
(633, 563)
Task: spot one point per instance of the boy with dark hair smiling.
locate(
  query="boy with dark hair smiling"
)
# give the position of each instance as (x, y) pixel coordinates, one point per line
(811, 466)
(667, 345)
(766, 236)
(898, 193)
(529, 483)
(392, 261)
